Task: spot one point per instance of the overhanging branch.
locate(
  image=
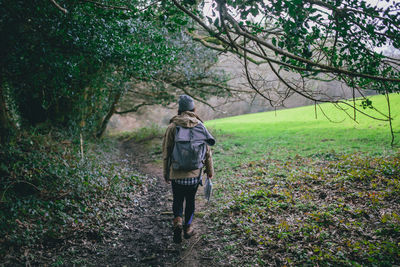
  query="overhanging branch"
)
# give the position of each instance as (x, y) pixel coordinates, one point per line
(134, 109)
(59, 7)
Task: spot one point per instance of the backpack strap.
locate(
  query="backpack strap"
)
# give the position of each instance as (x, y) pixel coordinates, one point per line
(200, 180)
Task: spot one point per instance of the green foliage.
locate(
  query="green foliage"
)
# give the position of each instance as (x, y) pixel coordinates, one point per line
(142, 135)
(308, 210)
(49, 193)
(70, 69)
(341, 38)
(191, 73)
(294, 190)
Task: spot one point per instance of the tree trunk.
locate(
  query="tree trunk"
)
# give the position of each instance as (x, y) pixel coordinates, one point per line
(109, 114)
(5, 122)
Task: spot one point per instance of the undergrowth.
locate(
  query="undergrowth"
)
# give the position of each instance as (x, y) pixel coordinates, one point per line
(292, 189)
(141, 135)
(49, 194)
(340, 210)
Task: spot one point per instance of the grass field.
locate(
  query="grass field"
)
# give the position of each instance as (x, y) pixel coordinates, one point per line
(296, 131)
(291, 189)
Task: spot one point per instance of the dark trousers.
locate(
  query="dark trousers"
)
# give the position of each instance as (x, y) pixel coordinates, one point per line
(184, 193)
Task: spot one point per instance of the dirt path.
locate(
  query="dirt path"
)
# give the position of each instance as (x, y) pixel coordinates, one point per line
(146, 236)
(140, 233)
(143, 235)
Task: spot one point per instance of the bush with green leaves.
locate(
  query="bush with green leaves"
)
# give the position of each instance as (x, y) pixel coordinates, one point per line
(49, 193)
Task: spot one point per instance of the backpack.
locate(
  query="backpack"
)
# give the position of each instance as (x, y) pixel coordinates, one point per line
(190, 147)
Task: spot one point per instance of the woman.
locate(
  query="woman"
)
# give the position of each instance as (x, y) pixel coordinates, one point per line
(185, 181)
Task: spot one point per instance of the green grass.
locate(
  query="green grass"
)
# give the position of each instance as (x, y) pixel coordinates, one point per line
(292, 190)
(297, 131)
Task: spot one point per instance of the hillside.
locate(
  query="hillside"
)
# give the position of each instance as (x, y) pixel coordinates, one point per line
(309, 129)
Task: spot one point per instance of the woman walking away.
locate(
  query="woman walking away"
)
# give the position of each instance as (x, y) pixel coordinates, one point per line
(186, 152)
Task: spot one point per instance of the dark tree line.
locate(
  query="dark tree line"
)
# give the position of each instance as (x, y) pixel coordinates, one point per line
(67, 63)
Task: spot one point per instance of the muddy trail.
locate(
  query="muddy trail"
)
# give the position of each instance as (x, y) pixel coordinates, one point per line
(144, 237)
(140, 234)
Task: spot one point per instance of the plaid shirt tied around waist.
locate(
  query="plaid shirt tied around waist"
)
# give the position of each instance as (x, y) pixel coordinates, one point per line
(187, 181)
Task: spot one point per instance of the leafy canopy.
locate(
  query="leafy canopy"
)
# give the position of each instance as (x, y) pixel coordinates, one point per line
(303, 41)
(331, 40)
(67, 62)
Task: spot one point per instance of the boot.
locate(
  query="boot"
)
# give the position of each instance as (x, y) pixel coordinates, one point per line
(188, 231)
(177, 230)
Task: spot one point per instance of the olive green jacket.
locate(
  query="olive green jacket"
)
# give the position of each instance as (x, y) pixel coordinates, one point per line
(187, 119)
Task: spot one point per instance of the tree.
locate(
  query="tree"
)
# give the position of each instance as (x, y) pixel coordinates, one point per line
(66, 62)
(5, 122)
(192, 73)
(333, 40)
(61, 67)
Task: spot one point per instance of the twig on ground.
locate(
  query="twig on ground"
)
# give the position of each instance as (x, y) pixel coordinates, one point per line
(188, 251)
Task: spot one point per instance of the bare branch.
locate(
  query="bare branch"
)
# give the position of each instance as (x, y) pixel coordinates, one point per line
(108, 6)
(298, 58)
(205, 40)
(101, 5)
(59, 7)
(134, 109)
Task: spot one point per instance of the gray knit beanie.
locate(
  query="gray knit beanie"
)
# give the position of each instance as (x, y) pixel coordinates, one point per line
(185, 103)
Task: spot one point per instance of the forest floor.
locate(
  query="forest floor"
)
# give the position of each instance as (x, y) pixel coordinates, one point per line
(143, 237)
